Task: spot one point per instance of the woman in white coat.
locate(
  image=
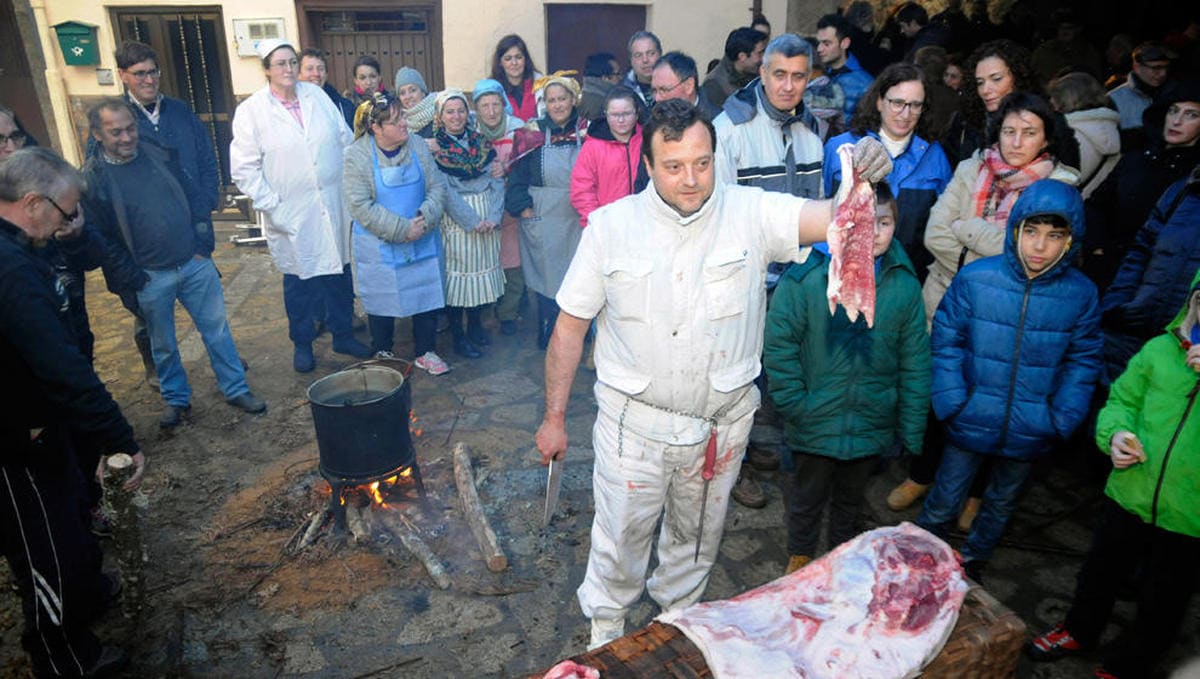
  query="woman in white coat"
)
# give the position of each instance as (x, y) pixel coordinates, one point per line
(286, 155)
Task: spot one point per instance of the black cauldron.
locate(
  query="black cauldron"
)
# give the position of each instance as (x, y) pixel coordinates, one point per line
(361, 415)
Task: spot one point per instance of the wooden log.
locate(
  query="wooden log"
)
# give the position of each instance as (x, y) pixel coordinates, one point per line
(356, 523)
(314, 528)
(472, 509)
(413, 543)
(127, 533)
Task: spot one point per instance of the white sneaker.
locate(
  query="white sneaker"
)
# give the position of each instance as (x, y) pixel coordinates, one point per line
(384, 354)
(604, 631)
(432, 364)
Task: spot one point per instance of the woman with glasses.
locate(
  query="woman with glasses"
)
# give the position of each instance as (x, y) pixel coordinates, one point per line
(470, 223)
(395, 195)
(286, 155)
(890, 111)
(608, 162)
(12, 137)
(969, 222)
(539, 194)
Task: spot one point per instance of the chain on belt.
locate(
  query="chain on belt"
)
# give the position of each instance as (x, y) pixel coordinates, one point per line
(711, 420)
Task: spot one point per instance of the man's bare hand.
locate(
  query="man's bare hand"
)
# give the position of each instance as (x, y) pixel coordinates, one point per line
(1192, 359)
(551, 439)
(871, 160)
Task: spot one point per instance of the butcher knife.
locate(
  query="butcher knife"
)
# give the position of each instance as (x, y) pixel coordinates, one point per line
(553, 483)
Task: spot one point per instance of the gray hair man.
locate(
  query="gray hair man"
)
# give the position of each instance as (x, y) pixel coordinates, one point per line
(644, 51)
(675, 77)
(53, 556)
(140, 200)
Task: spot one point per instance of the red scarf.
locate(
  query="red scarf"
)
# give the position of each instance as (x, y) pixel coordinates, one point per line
(999, 184)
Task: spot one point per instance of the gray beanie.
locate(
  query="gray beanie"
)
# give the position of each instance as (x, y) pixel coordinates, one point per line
(410, 76)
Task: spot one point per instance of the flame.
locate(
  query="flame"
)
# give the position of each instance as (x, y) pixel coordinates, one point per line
(373, 489)
(406, 473)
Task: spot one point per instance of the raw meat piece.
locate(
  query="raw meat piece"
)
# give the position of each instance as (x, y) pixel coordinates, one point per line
(878, 607)
(569, 669)
(851, 239)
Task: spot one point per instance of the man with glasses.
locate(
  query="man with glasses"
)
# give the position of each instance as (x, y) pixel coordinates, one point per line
(600, 74)
(55, 561)
(675, 77)
(139, 199)
(171, 124)
(766, 138)
(1151, 66)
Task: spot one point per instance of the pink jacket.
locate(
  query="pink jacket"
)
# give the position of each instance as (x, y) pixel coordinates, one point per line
(605, 170)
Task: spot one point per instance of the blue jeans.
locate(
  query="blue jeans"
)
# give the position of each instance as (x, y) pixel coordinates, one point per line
(950, 490)
(196, 284)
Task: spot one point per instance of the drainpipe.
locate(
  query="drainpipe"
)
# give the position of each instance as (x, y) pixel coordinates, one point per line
(56, 86)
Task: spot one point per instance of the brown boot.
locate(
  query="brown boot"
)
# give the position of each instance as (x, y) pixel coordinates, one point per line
(796, 562)
(905, 494)
(747, 491)
(968, 513)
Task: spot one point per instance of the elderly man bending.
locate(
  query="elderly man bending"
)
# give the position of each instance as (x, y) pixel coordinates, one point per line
(674, 276)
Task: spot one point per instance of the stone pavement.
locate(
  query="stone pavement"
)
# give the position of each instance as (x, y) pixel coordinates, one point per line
(226, 490)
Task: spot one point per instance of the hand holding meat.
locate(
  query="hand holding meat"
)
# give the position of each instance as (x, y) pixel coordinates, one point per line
(871, 160)
(1126, 450)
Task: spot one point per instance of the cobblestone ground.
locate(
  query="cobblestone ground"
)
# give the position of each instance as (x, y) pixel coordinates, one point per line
(226, 492)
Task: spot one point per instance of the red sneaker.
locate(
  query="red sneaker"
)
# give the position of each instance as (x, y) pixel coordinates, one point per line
(1052, 645)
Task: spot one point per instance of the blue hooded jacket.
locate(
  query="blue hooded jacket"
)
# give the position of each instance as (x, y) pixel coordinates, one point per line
(1015, 359)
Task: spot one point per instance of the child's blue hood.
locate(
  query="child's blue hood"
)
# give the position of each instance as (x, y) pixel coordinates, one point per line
(1046, 197)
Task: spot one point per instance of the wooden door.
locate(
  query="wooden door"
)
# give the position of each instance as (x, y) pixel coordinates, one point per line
(576, 30)
(191, 47)
(397, 37)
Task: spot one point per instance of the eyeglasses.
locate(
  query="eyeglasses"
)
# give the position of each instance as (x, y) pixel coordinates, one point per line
(289, 64)
(898, 105)
(17, 138)
(68, 217)
(150, 74)
(659, 91)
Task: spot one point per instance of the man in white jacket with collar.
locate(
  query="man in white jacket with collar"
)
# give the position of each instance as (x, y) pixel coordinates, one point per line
(674, 277)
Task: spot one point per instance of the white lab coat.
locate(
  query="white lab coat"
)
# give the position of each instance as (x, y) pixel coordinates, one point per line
(294, 176)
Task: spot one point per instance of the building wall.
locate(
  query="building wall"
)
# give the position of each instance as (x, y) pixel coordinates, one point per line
(470, 30)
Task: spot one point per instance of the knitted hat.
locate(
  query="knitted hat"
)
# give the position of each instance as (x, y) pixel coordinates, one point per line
(410, 76)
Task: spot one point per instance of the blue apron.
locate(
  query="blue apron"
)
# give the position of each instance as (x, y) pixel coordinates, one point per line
(398, 279)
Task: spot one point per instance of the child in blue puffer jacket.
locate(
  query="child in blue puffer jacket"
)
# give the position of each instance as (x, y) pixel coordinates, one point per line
(1016, 354)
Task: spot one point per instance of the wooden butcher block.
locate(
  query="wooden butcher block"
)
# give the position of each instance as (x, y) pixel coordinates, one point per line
(985, 644)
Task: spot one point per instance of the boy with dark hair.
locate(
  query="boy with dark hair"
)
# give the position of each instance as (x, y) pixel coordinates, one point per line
(1151, 515)
(846, 392)
(1016, 354)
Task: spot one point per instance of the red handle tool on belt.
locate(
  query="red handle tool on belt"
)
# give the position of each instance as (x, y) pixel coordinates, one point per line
(706, 473)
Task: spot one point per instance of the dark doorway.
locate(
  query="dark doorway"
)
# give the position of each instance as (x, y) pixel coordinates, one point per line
(17, 89)
(575, 31)
(190, 42)
(403, 36)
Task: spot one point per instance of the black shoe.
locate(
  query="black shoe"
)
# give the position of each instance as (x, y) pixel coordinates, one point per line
(302, 359)
(352, 347)
(248, 402)
(464, 348)
(112, 659)
(508, 327)
(172, 416)
(479, 337)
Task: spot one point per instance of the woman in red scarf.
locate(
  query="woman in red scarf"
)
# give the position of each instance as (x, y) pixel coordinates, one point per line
(513, 68)
(367, 79)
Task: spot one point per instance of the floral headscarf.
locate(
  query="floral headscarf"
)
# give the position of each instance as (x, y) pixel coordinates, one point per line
(466, 156)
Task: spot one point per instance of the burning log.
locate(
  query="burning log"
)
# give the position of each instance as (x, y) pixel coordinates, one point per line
(472, 508)
(399, 527)
(127, 534)
(314, 528)
(357, 523)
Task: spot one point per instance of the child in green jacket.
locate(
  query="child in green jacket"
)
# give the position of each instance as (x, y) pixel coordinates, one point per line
(1151, 429)
(846, 392)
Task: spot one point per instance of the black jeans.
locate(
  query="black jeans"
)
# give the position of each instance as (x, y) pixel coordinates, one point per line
(320, 298)
(424, 331)
(818, 481)
(923, 468)
(1122, 541)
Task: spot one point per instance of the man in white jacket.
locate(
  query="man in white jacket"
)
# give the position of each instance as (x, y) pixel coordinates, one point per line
(286, 155)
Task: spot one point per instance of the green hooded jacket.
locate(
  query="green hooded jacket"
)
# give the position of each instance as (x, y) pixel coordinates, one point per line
(847, 391)
(1156, 399)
